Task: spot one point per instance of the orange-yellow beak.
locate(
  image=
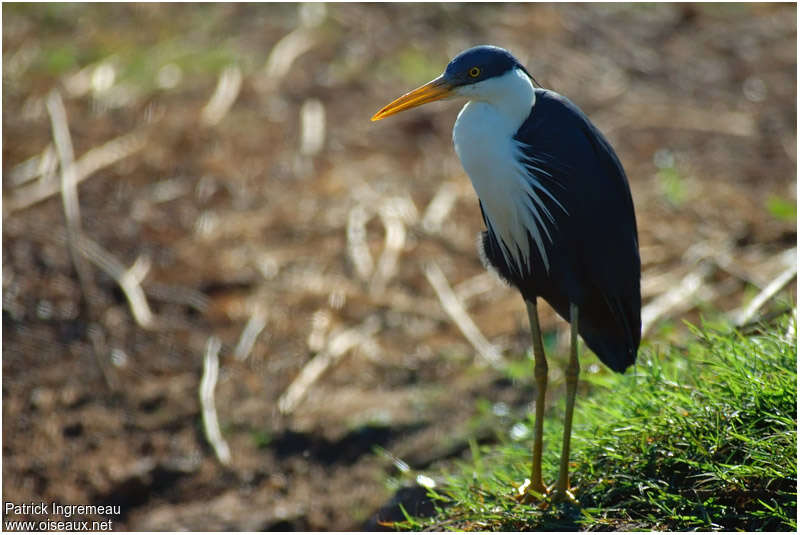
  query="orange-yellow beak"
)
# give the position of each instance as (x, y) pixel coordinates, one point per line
(436, 89)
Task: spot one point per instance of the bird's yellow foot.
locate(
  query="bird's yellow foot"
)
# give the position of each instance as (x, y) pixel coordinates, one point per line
(563, 496)
(529, 493)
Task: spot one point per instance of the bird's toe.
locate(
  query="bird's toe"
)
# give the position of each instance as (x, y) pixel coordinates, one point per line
(564, 496)
(530, 494)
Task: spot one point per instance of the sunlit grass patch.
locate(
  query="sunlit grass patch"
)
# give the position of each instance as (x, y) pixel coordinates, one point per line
(701, 438)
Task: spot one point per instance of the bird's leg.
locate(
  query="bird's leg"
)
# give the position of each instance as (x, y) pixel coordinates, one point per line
(540, 373)
(561, 490)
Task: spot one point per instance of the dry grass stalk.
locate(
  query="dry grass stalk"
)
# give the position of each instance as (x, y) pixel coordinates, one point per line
(312, 127)
(476, 286)
(256, 324)
(291, 46)
(129, 280)
(338, 345)
(318, 333)
(109, 153)
(209, 408)
(395, 239)
(778, 284)
(459, 315)
(676, 300)
(170, 293)
(395, 213)
(280, 60)
(439, 207)
(91, 162)
(725, 260)
(357, 247)
(69, 187)
(101, 350)
(42, 165)
(228, 87)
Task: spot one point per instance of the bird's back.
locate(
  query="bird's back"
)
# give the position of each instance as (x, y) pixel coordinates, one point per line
(593, 253)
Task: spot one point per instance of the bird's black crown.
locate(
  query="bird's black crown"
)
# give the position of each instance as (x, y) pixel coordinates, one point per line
(479, 63)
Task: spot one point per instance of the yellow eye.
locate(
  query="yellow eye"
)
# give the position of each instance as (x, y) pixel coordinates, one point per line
(474, 72)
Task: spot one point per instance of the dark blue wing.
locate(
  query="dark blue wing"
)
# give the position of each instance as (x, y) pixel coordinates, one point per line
(594, 253)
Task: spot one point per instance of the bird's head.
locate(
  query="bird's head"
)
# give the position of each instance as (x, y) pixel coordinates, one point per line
(478, 73)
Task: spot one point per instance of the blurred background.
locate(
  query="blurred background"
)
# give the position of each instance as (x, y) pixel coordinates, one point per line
(230, 301)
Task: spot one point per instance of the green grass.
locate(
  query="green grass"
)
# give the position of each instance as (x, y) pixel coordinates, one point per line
(782, 209)
(702, 438)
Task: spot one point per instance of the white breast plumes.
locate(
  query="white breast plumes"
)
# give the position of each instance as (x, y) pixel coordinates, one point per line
(505, 181)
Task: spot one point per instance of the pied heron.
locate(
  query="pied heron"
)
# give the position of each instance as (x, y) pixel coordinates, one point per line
(559, 217)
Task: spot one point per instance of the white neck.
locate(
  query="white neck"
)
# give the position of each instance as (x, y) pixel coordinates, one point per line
(511, 95)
